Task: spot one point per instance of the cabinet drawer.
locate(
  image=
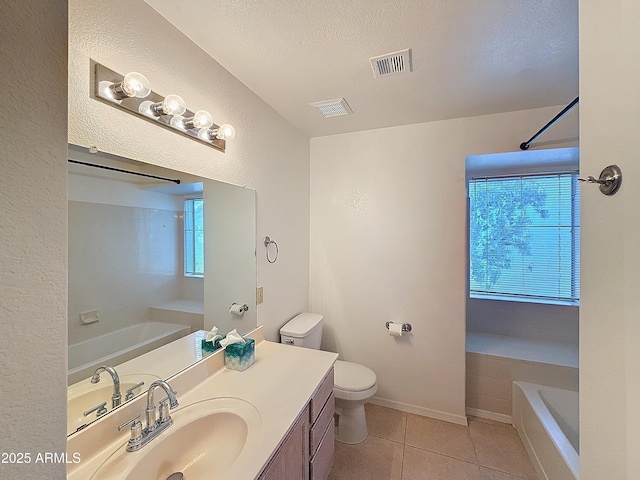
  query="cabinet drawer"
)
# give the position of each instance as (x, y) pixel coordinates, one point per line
(318, 428)
(321, 463)
(320, 397)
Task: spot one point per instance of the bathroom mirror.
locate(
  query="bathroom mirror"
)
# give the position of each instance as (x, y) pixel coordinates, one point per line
(151, 261)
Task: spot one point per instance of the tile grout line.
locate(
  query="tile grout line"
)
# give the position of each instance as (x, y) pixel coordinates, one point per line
(473, 444)
(384, 438)
(449, 456)
(404, 444)
(518, 477)
(492, 468)
(444, 454)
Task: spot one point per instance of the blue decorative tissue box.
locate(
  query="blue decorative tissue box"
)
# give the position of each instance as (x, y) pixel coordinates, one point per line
(240, 356)
(210, 346)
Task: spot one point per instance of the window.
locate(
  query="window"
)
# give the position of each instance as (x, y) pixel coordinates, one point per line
(524, 237)
(193, 237)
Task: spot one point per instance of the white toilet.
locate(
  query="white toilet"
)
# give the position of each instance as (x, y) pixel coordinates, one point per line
(353, 384)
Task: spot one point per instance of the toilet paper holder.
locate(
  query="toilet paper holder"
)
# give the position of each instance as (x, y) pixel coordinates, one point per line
(406, 327)
(238, 309)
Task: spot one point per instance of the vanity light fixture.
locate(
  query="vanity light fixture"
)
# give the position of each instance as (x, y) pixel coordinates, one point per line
(132, 93)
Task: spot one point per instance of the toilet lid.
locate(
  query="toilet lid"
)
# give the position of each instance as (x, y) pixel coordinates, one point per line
(302, 325)
(352, 377)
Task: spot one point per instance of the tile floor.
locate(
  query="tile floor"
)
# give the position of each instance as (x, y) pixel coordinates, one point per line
(404, 446)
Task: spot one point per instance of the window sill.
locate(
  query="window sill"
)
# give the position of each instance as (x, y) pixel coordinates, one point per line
(193, 275)
(520, 349)
(545, 301)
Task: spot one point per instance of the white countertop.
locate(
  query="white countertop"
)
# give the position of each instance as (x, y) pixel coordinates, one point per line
(279, 385)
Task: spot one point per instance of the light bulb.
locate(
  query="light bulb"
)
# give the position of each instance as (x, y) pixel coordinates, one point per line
(206, 135)
(171, 105)
(226, 132)
(134, 84)
(223, 132)
(174, 105)
(177, 121)
(200, 119)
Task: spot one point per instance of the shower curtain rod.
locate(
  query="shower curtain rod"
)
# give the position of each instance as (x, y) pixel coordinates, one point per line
(525, 145)
(177, 181)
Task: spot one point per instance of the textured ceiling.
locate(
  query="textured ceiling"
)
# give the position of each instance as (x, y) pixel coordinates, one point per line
(470, 57)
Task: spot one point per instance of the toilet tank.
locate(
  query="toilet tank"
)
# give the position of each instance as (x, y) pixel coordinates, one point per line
(303, 330)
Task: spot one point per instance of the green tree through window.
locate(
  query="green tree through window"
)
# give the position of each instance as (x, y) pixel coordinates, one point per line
(194, 237)
(524, 237)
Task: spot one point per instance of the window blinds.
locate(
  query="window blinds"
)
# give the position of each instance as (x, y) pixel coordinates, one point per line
(525, 237)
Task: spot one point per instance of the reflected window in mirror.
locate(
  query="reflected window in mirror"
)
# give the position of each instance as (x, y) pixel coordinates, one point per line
(194, 237)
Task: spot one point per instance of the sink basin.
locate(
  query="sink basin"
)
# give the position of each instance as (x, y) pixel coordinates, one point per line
(84, 395)
(205, 441)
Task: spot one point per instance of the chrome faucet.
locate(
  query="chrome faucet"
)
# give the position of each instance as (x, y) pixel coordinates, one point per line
(139, 436)
(116, 398)
(150, 411)
(130, 390)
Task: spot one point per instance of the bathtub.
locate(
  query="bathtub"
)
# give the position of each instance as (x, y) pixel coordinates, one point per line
(119, 346)
(547, 421)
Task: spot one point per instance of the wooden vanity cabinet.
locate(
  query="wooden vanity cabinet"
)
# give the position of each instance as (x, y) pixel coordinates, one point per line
(291, 460)
(306, 453)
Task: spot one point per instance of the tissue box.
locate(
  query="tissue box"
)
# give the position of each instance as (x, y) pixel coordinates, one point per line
(240, 356)
(210, 346)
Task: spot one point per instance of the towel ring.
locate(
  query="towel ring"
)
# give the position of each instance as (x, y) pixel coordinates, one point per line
(267, 243)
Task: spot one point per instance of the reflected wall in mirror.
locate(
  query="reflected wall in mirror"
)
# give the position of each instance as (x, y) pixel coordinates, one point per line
(151, 262)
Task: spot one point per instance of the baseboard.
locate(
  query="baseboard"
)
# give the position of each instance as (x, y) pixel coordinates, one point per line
(498, 417)
(425, 412)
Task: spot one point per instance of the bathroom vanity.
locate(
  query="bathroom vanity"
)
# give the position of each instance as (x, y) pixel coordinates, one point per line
(271, 421)
(307, 450)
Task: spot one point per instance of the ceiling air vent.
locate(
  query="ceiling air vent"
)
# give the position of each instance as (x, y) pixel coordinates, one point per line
(333, 108)
(391, 63)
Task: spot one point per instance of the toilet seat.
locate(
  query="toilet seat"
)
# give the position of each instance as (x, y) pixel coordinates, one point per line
(352, 381)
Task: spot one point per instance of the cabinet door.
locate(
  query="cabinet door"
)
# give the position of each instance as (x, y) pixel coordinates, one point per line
(291, 460)
(320, 396)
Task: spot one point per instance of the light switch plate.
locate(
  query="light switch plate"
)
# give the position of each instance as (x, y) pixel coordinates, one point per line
(259, 296)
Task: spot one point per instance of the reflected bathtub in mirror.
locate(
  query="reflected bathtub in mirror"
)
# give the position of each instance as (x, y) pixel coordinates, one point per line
(137, 251)
(116, 347)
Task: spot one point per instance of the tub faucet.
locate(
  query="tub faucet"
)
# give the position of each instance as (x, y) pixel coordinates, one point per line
(116, 398)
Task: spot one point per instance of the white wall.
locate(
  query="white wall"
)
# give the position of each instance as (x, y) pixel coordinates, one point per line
(268, 154)
(388, 236)
(531, 321)
(610, 304)
(124, 245)
(33, 236)
(229, 256)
